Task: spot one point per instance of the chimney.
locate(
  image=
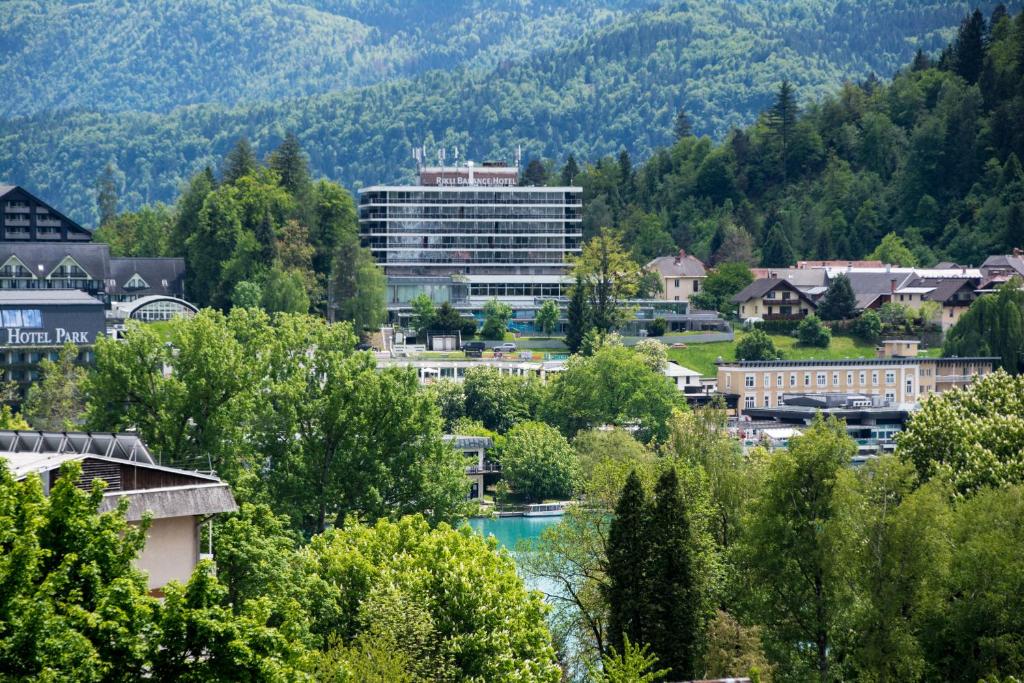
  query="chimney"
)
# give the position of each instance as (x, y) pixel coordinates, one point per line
(892, 286)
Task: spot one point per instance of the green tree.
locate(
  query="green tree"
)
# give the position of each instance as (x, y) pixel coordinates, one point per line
(247, 295)
(615, 386)
(284, 291)
(535, 173)
(190, 416)
(108, 189)
(610, 277)
(360, 286)
(497, 315)
(868, 326)
(479, 616)
(628, 583)
(423, 312)
(546, 318)
(971, 438)
(56, 402)
(500, 401)
(992, 326)
(757, 345)
(635, 664)
(570, 171)
(675, 618)
(782, 120)
(538, 462)
(681, 126)
(10, 420)
(787, 553)
(447, 318)
(812, 332)
(969, 47)
(578, 316)
(239, 162)
(893, 552)
(146, 232)
(893, 250)
(187, 210)
(291, 165)
(724, 282)
(839, 302)
(777, 251)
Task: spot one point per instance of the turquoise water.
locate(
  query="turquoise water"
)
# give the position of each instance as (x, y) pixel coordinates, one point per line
(510, 530)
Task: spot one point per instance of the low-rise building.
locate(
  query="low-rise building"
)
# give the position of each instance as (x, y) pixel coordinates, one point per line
(896, 380)
(773, 299)
(681, 275)
(178, 501)
(480, 469)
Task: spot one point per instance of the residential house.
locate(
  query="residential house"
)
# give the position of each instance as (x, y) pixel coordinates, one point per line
(681, 275)
(773, 299)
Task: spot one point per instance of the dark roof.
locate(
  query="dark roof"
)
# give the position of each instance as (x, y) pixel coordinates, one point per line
(46, 297)
(165, 276)
(944, 289)
(72, 225)
(1004, 261)
(685, 265)
(876, 283)
(42, 257)
(759, 288)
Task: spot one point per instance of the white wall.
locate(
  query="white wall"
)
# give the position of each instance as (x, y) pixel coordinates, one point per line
(171, 552)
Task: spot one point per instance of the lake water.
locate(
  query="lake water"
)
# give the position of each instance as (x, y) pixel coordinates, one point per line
(511, 530)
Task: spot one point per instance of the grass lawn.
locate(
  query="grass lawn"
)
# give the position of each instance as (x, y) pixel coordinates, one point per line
(701, 357)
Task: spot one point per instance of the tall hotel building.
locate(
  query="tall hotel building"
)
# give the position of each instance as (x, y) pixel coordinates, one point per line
(468, 234)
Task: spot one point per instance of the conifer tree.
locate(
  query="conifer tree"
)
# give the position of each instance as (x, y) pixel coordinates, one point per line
(921, 61)
(570, 171)
(579, 318)
(777, 252)
(839, 302)
(673, 622)
(782, 120)
(291, 164)
(681, 125)
(628, 552)
(107, 193)
(625, 176)
(969, 48)
(239, 162)
(535, 173)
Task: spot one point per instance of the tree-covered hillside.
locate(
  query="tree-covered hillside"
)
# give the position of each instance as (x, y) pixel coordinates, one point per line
(932, 159)
(117, 55)
(617, 85)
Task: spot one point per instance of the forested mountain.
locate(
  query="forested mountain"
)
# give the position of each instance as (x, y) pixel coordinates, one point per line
(118, 55)
(933, 157)
(618, 84)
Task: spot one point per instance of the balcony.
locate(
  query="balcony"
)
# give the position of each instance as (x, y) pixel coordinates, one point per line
(955, 379)
(784, 316)
(16, 208)
(17, 222)
(48, 222)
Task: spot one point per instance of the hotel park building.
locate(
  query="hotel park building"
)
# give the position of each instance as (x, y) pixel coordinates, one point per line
(467, 234)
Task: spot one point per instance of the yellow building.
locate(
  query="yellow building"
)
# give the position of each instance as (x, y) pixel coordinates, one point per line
(681, 275)
(897, 380)
(773, 299)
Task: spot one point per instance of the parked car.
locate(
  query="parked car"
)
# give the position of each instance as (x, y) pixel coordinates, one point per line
(363, 346)
(474, 349)
(507, 347)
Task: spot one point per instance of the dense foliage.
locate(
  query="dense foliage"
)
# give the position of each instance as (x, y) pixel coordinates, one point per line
(482, 76)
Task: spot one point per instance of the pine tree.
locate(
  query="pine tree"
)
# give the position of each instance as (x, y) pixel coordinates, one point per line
(267, 237)
(107, 193)
(535, 174)
(969, 47)
(627, 556)
(921, 61)
(625, 176)
(570, 171)
(579, 318)
(681, 125)
(839, 302)
(781, 120)
(291, 165)
(673, 620)
(239, 162)
(777, 252)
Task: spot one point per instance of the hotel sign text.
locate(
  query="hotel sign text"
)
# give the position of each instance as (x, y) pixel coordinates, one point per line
(20, 337)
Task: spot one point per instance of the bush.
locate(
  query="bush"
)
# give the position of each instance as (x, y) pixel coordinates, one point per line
(757, 345)
(468, 327)
(868, 326)
(658, 327)
(777, 326)
(538, 462)
(812, 332)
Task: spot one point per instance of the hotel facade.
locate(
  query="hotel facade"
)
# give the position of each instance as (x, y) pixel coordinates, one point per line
(466, 234)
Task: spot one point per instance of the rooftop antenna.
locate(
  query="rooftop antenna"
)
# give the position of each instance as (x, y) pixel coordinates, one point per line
(455, 153)
(519, 156)
(440, 157)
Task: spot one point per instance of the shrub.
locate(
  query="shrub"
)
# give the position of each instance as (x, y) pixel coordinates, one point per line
(757, 345)
(658, 327)
(868, 326)
(812, 332)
